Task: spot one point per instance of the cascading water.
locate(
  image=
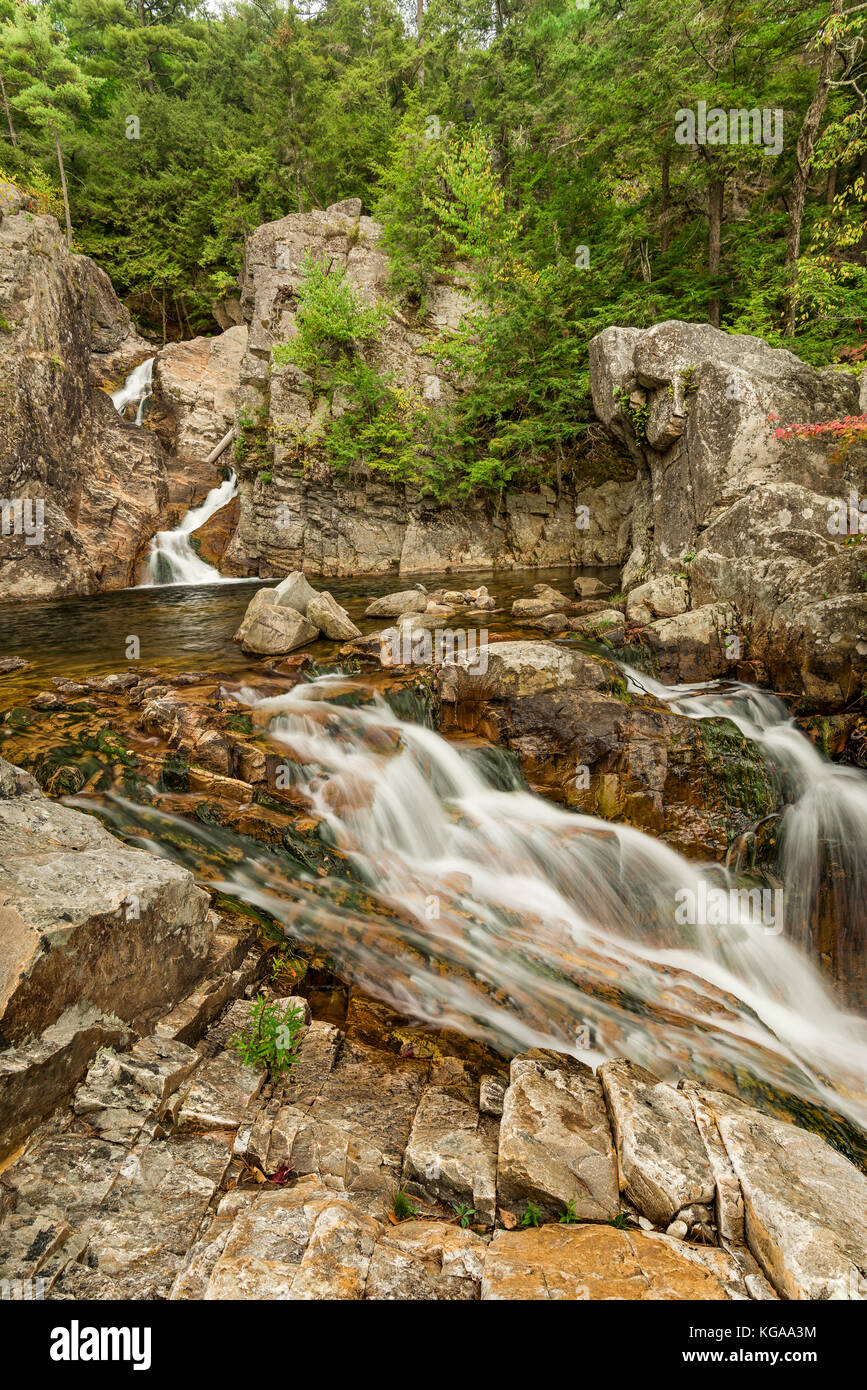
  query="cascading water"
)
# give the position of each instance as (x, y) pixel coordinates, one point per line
(172, 558)
(137, 390)
(502, 915)
(823, 830)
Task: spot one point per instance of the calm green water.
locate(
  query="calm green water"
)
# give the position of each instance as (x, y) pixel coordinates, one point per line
(190, 628)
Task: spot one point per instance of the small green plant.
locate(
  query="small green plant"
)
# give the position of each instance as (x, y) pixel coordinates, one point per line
(621, 1221)
(570, 1216)
(463, 1213)
(403, 1208)
(270, 1038)
(532, 1216)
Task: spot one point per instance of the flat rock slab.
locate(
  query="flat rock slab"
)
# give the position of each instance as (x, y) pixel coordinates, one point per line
(299, 1244)
(662, 1160)
(600, 1262)
(452, 1151)
(555, 1142)
(805, 1205)
(426, 1260)
(220, 1095)
(357, 1128)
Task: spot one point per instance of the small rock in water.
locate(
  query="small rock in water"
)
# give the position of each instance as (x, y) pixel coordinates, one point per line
(47, 699)
(395, 605)
(8, 664)
(590, 588)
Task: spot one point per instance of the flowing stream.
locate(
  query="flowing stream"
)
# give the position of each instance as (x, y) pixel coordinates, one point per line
(482, 907)
(823, 829)
(173, 559)
(137, 390)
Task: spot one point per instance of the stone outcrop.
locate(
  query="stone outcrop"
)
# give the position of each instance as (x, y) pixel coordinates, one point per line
(95, 939)
(585, 741)
(291, 615)
(730, 521)
(178, 1172)
(196, 385)
(295, 514)
(100, 485)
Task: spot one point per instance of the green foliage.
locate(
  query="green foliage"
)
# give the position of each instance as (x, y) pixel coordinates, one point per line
(570, 1216)
(402, 1205)
(532, 1215)
(620, 1222)
(463, 1213)
(249, 111)
(270, 1038)
(332, 322)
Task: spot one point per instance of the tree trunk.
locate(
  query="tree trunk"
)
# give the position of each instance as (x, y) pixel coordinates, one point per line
(803, 164)
(63, 186)
(12, 136)
(714, 239)
(419, 16)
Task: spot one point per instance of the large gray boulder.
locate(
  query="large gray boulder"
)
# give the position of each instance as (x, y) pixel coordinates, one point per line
(95, 938)
(745, 515)
(277, 629)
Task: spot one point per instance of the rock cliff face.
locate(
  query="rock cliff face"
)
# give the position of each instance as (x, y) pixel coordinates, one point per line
(82, 491)
(330, 526)
(745, 517)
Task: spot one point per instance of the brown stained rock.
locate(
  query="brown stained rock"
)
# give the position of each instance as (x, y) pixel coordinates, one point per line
(555, 1144)
(426, 1260)
(600, 1262)
(301, 1243)
(662, 1160)
(451, 1153)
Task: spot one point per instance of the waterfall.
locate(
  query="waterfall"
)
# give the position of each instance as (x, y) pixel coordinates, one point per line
(823, 830)
(138, 389)
(172, 558)
(513, 920)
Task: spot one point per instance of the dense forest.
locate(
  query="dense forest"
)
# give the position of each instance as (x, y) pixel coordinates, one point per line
(540, 145)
